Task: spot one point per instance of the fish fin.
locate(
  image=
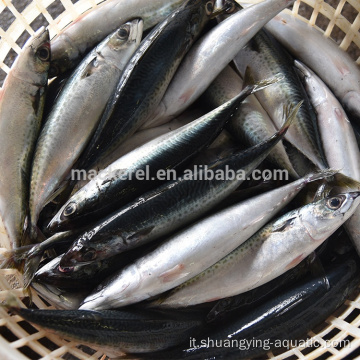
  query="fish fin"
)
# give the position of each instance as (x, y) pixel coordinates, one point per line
(140, 234)
(31, 264)
(290, 113)
(14, 259)
(248, 77)
(283, 226)
(317, 269)
(322, 192)
(12, 304)
(319, 175)
(89, 70)
(342, 180)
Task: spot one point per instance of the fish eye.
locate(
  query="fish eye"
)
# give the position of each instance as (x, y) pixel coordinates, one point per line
(53, 71)
(70, 209)
(230, 7)
(124, 32)
(209, 7)
(65, 269)
(89, 255)
(334, 203)
(43, 53)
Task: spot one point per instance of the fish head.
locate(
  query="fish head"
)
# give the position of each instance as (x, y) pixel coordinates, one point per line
(84, 251)
(323, 217)
(314, 86)
(126, 36)
(71, 214)
(33, 65)
(58, 297)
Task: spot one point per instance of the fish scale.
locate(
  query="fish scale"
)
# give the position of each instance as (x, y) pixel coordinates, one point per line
(264, 57)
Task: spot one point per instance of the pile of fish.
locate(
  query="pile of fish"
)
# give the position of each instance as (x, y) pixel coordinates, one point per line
(139, 261)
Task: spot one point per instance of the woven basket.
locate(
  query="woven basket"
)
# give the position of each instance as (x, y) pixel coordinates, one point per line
(19, 19)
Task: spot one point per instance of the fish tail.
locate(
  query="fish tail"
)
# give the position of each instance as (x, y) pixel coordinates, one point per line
(14, 259)
(12, 304)
(319, 175)
(253, 86)
(31, 264)
(290, 113)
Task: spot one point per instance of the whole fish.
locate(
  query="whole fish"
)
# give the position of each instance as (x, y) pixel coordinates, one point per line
(333, 65)
(265, 56)
(169, 207)
(335, 128)
(114, 331)
(274, 249)
(139, 138)
(21, 107)
(76, 113)
(146, 77)
(213, 51)
(290, 315)
(72, 43)
(119, 182)
(193, 249)
(250, 124)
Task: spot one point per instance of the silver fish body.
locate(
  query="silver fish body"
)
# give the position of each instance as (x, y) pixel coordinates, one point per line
(214, 51)
(93, 26)
(338, 138)
(333, 65)
(266, 58)
(169, 207)
(146, 77)
(273, 250)
(250, 124)
(123, 180)
(192, 250)
(77, 111)
(21, 106)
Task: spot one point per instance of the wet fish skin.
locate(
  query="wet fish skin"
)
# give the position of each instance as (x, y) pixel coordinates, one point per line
(71, 44)
(287, 316)
(141, 137)
(213, 51)
(76, 113)
(333, 65)
(107, 191)
(250, 124)
(59, 298)
(193, 249)
(265, 56)
(335, 128)
(169, 207)
(276, 248)
(146, 78)
(115, 331)
(21, 106)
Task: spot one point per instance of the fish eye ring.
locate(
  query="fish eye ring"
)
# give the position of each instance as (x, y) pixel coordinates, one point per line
(334, 203)
(89, 255)
(70, 209)
(209, 7)
(123, 33)
(43, 53)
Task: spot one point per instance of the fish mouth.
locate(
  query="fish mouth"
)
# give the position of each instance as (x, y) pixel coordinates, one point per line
(354, 194)
(66, 270)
